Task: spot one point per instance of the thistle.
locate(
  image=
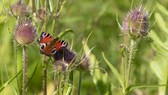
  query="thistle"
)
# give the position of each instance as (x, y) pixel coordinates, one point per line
(136, 23)
(19, 9)
(60, 65)
(25, 33)
(84, 64)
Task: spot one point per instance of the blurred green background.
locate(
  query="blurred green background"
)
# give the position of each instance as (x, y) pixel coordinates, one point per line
(150, 65)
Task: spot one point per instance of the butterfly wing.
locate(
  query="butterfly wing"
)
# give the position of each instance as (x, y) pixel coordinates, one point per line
(60, 44)
(45, 37)
(45, 40)
(51, 47)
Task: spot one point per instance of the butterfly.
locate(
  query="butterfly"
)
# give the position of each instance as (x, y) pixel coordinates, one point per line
(50, 45)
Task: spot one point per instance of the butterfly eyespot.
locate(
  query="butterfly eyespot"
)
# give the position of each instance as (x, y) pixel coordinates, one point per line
(42, 46)
(53, 51)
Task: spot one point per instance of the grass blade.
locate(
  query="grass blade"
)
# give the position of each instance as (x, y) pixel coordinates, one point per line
(9, 81)
(65, 32)
(132, 87)
(114, 70)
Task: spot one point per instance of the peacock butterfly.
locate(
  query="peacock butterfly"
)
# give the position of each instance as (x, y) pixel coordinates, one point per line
(50, 45)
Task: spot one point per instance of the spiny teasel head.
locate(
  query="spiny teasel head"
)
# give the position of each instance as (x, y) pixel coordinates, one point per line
(60, 65)
(84, 63)
(65, 54)
(19, 9)
(25, 33)
(136, 22)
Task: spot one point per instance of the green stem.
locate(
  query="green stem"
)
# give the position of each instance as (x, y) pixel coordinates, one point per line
(130, 59)
(58, 87)
(71, 82)
(80, 81)
(44, 77)
(59, 5)
(33, 6)
(24, 70)
(124, 71)
(63, 82)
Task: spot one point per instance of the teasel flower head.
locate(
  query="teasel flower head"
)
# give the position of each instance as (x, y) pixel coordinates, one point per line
(60, 65)
(66, 55)
(136, 23)
(19, 9)
(25, 33)
(84, 63)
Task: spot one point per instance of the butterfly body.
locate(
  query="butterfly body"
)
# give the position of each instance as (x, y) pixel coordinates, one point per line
(49, 45)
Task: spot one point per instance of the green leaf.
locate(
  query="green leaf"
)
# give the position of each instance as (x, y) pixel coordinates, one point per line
(161, 22)
(162, 9)
(60, 7)
(114, 70)
(65, 32)
(32, 74)
(99, 79)
(2, 18)
(157, 41)
(132, 87)
(9, 81)
(119, 25)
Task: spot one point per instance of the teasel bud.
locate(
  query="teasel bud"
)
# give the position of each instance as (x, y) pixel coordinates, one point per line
(136, 23)
(19, 9)
(84, 63)
(65, 54)
(41, 14)
(25, 33)
(60, 65)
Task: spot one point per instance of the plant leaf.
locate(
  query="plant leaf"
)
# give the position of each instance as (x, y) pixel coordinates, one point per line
(9, 81)
(114, 70)
(65, 32)
(162, 9)
(132, 87)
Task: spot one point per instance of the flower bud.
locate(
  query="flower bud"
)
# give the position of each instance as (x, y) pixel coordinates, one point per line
(25, 33)
(136, 23)
(60, 65)
(41, 14)
(19, 9)
(84, 63)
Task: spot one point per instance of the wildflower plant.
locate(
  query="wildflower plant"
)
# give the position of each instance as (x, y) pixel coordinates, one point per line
(136, 23)
(25, 34)
(136, 26)
(54, 67)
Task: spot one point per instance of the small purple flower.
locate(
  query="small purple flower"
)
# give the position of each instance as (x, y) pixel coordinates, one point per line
(136, 22)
